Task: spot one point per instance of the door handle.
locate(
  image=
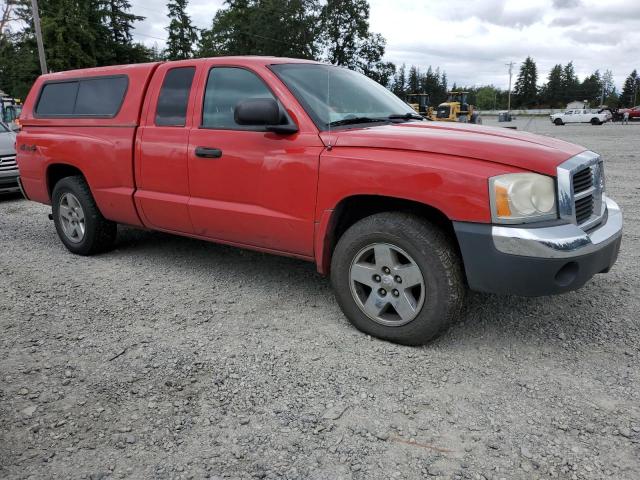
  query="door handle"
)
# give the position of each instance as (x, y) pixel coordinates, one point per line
(205, 152)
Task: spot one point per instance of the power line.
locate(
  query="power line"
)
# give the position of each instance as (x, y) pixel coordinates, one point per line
(150, 36)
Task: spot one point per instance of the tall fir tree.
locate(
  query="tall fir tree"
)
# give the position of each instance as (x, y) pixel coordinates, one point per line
(413, 82)
(119, 22)
(570, 84)
(182, 34)
(591, 88)
(526, 87)
(244, 27)
(630, 90)
(552, 91)
(69, 32)
(400, 81)
(442, 92)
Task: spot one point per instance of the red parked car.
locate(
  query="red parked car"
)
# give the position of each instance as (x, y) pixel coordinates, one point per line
(318, 162)
(634, 113)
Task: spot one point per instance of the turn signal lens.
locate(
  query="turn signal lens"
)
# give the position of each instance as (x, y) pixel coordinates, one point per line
(522, 197)
(502, 201)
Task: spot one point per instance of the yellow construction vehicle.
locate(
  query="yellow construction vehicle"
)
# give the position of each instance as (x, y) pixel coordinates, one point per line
(456, 109)
(420, 103)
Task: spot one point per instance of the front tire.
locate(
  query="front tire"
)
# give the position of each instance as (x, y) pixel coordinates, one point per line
(79, 223)
(397, 277)
(558, 122)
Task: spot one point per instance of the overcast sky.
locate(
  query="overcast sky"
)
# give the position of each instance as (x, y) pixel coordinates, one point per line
(472, 40)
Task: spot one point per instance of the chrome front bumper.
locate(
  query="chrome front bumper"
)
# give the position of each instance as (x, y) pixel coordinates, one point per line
(561, 241)
(519, 260)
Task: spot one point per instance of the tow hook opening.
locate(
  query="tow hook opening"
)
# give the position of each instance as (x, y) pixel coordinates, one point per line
(567, 274)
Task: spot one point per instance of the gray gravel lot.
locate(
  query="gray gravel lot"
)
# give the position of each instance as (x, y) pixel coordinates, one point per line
(175, 358)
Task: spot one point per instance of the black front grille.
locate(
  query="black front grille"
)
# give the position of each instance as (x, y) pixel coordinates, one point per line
(584, 209)
(8, 162)
(583, 180)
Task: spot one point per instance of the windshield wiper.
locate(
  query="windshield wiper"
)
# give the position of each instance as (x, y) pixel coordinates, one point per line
(405, 116)
(354, 120)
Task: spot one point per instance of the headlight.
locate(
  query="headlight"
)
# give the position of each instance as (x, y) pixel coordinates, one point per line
(522, 197)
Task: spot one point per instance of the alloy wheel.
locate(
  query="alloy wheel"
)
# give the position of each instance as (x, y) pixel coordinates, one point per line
(387, 284)
(71, 216)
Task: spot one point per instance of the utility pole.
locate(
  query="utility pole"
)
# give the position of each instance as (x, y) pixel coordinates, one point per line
(510, 65)
(36, 24)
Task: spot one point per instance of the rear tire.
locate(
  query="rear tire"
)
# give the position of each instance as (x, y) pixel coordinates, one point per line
(79, 223)
(422, 272)
(558, 122)
(595, 121)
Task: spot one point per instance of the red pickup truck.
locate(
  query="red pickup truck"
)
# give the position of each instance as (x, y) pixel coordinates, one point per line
(320, 163)
(634, 113)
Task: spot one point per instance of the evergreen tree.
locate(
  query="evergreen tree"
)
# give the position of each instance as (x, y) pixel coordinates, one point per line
(552, 92)
(77, 34)
(526, 87)
(442, 92)
(400, 81)
(413, 83)
(119, 21)
(239, 29)
(182, 34)
(19, 65)
(630, 90)
(570, 84)
(591, 88)
(69, 34)
(429, 82)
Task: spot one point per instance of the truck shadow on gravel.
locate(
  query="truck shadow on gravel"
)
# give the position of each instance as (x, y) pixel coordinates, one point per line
(9, 197)
(580, 318)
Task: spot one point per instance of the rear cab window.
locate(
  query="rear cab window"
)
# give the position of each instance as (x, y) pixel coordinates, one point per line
(173, 100)
(87, 97)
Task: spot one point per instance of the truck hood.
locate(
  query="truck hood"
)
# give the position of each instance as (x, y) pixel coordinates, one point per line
(523, 150)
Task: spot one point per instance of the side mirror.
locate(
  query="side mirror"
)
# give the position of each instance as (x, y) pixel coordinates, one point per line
(261, 112)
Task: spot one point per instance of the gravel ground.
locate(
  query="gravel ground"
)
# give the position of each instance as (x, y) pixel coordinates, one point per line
(175, 358)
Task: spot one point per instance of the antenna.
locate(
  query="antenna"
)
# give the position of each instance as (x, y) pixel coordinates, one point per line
(329, 147)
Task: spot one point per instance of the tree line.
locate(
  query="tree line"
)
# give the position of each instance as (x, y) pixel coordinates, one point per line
(88, 33)
(563, 86)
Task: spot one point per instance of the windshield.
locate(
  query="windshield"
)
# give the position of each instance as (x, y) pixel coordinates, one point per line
(333, 94)
(11, 112)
